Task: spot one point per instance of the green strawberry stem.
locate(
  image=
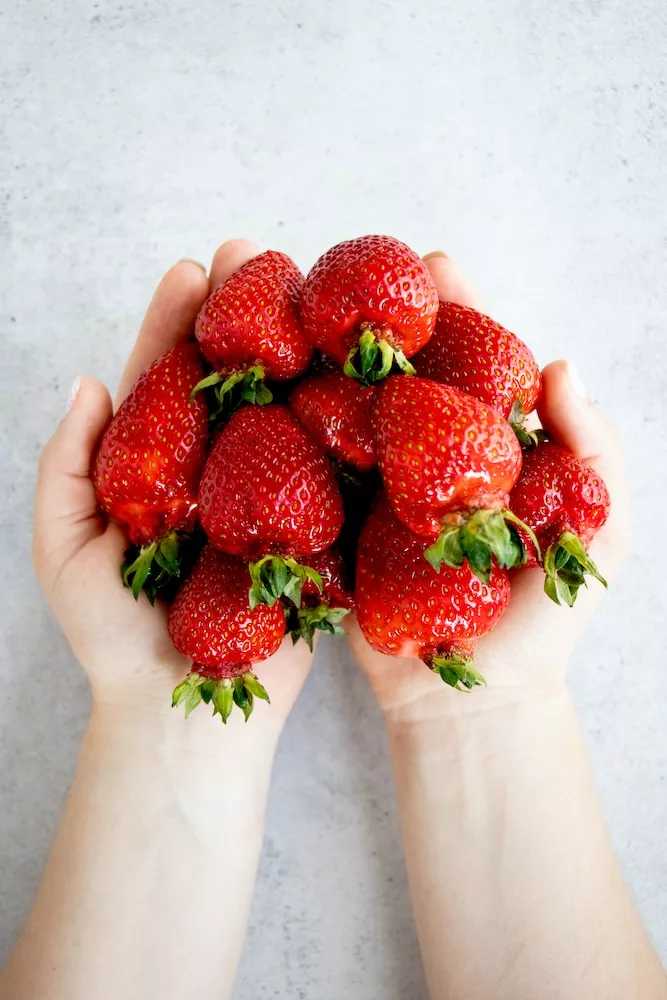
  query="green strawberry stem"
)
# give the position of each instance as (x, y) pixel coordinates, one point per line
(479, 538)
(566, 564)
(222, 694)
(457, 671)
(230, 391)
(527, 439)
(372, 358)
(152, 567)
(302, 623)
(273, 577)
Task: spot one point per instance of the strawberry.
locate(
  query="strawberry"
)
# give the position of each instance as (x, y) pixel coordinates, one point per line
(475, 354)
(405, 608)
(448, 462)
(268, 493)
(148, 465)
(322, 611)
(565, 503)
(248, 329)
(337, 412)
(211, 623)
(367, 303)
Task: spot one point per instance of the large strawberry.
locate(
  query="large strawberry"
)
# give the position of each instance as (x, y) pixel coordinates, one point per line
(448, 463)
(148, 465)
(211, 623)
(337, 412)
(369, 302)
(405, 608)
(321, 611)
(248, 329)
(475, 354)
(268, 493)
(565, 502)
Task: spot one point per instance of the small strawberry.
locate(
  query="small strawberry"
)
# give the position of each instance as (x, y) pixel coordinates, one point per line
(211, 623)
(369, 302)
(148, 465)
(448, 463)
(475, 354)
(405, 608)
(565, 503)
(268, 493)
(336, 411)
(248, 329)
(321, 611)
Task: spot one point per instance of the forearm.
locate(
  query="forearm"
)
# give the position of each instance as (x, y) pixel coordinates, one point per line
(148, 887)
(516, 890)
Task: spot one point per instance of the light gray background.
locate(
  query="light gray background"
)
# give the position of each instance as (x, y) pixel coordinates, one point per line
(526, 139)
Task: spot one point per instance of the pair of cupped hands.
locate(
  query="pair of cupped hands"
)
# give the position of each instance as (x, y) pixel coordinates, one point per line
(123, 645)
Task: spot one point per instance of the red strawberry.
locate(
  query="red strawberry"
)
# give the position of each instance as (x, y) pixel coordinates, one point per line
(248, 329)
(148, 465)
(565, 503)
(268, 493)
(323, 610)
(337, 412)
(475, 354)
(367, 303)
(448, 462)
(405, 608)
(210, 622)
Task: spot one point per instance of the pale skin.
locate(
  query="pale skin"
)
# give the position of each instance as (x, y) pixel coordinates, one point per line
(515, 888)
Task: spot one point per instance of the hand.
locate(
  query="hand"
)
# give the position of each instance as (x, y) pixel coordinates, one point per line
(527, 653)
(123, 645)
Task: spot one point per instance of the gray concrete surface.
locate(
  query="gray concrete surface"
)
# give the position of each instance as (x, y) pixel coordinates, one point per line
(527, 140)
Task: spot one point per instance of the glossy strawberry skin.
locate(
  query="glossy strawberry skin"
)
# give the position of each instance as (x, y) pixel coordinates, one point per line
(336, 411)
(252, 319)
(440, 451)
(149, 461)
(373, 279)
(475, 354)
(267, 487)
(557, 492)
(209, 620)
(335, 591)
(405, 608)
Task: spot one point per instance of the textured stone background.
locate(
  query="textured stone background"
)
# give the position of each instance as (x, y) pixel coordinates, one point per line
(527, 140)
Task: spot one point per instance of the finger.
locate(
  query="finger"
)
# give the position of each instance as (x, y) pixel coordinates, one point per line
(169, 319)
(66, 513)
(452, 284)
(229, 258)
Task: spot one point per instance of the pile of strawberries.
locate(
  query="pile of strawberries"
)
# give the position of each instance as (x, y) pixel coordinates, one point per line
(292, 463)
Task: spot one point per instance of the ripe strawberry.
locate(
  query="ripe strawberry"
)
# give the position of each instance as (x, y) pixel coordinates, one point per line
(475, 354)
(337, 412)
(268, 493)
(448, 462)
(405, 608)
(565, 503)
(248, 329)
(210, 622)
(322, 611)
(148, 465)
(369, 302)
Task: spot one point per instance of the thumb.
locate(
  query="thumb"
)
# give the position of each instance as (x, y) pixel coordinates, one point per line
(576, 423)
(66, 513)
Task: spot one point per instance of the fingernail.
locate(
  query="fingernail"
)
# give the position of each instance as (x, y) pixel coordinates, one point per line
(191, 260)
(576, 380)
(435, 253)
(73, 393)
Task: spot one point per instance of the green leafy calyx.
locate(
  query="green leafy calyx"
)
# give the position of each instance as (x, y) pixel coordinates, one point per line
(479, 538)
(273, 577)
(152, 568)
(302, 623)
(373, 358)
(527, 439)
(566, 564)
(222, 694)
(228, 392)
(457, 671)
